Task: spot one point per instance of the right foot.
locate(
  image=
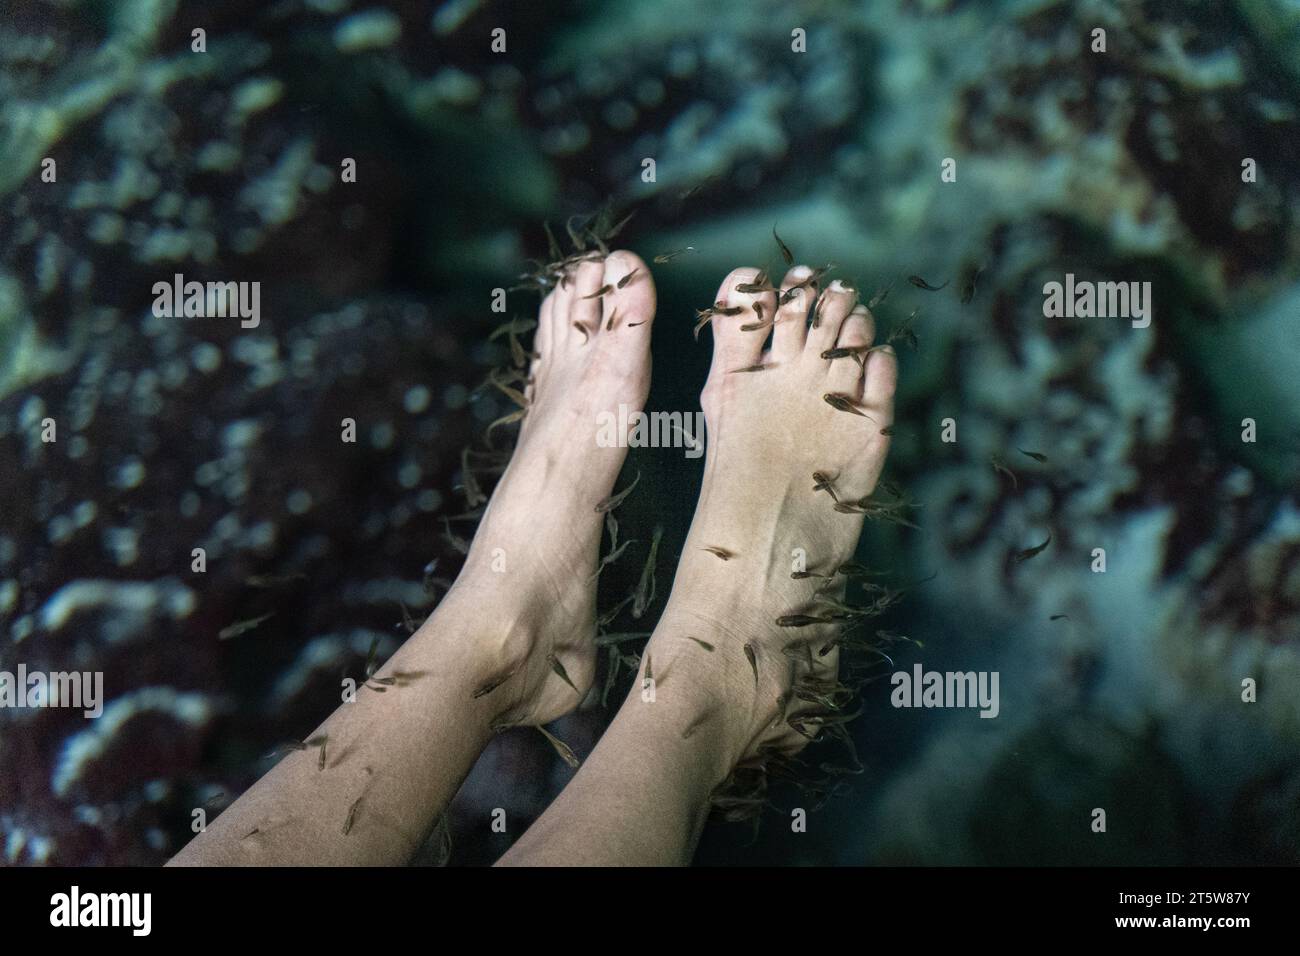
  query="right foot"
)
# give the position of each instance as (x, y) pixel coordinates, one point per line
(768, 432)
(530, 568)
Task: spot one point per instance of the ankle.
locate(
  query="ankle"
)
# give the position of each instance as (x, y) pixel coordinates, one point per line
(736, 683)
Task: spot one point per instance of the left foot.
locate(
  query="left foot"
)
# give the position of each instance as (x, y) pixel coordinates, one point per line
(533, 558)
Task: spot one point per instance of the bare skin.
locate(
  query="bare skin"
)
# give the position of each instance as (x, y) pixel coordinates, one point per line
(643, 795)
(394, 759)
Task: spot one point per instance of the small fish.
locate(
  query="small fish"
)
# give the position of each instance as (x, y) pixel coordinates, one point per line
(352, 816)
(804, 575)
(703, 318)
(1036, 455)
(515, 416)
(559, 670)
(614, 230)
(552, 247)
(824, 482)
(887, 430)
(704, 644)
(633, 325)
(790, 294)
(645, 589)
(720, 309)
(564, 750)
(893, 637)
(880, 296)
(469, 484)
(586, 335)
(702, 184)
(610, 558)
(786, 254)
(722, 553)
(320, 764)
(1028, 553)
(505, 389)
(903, 332)
(611, 675)
(372, 659)
(576, 236)
(622, 283)
(287, 745)
(613, 612)
(649, 671)
(518, 357)
(801, 620)
(842, 403)
(922, 284)
(850, 351)
(242, 627)
(757, 285)
(613, 501)
(1059, 617)
(456, 541)
(969, 292)
(876, 510)
(514, 326)
(999, 466)
(664, 257)
(752, 368)
(611, 525)
(609, 326)
(753, 660)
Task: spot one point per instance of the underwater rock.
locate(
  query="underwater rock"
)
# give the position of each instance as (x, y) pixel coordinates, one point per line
(173, 447)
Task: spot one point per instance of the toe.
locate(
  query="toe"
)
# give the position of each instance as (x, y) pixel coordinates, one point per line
(630, 303)
(879, 382)
(585, 303)
(792, 314)
(856, 331)
(828, 314)
(629, 308)
(543, 342)
(734, 347)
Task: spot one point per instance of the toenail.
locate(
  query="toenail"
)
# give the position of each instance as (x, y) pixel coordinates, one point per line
(799, 273)
(837, 286)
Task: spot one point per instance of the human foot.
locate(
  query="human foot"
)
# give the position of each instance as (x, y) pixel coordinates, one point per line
(764, 544)
(531, 564)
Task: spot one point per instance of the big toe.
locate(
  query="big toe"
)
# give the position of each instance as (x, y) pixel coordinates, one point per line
(628, 309)
(738, 338)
